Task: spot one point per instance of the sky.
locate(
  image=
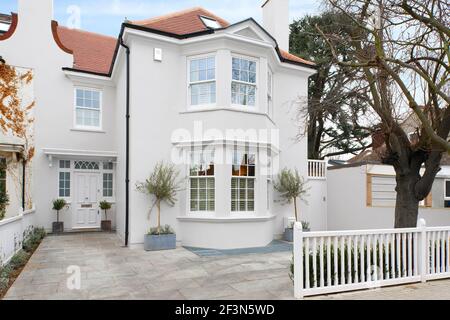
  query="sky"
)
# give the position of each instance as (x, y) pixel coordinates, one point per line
(106, 16)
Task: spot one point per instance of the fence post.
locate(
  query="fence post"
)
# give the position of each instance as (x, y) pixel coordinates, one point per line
(423, 253)
(298, 260)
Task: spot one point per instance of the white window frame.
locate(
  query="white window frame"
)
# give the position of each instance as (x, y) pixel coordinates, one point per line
(66, 170)
(243, 151)
(214, 177)
(108, 171)
(87, 128)
(189, 83)
(256, 84)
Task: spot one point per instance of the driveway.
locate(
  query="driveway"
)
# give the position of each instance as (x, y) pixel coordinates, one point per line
(109, 271)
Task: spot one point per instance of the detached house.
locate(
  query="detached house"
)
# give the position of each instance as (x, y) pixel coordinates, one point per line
(218, 99)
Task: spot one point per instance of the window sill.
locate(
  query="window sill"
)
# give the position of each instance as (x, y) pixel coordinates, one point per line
(87, 130)
(252, 110)
(231, 219)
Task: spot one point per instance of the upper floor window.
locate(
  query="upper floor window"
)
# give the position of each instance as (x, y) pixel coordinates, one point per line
(88, 109)
(202, 81)
(243, 86)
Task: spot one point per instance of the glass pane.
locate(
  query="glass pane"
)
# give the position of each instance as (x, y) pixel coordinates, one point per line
(251, 183)
(194, 183)
(252, 66)
(234, 183)
(234, 194)
(211, 194)
(236, 63)
(242, 183)
(202, 194)
(242, 206)
(251, 171)
(194, 206)
(447, 188)
(210, 183)
(194, 65)
(250, 206)
(252, 77)
(202, 206)
(211, 206)
(234, 205)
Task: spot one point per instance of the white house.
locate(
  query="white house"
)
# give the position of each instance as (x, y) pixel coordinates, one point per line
(218, 99)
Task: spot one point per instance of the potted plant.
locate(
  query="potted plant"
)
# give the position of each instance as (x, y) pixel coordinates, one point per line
(106, 224)
(291, 187)
(162, 186)
(58, 205)
(4, 201)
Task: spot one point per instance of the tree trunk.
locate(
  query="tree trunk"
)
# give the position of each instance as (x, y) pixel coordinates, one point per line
(158, 205)
(106, 215)
(407, 204)
(57, 216)
(296, 212)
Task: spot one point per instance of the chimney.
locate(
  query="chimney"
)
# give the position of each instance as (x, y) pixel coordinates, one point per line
(35, 15)
(276, 21)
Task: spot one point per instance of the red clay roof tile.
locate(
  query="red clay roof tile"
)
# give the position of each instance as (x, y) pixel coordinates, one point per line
(91, 51)
(182, 22)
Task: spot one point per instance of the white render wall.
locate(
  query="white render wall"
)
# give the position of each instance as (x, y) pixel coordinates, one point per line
(159, 108)
(347, 208)
(32, 46)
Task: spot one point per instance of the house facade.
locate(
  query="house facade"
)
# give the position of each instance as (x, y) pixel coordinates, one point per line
(219, 100)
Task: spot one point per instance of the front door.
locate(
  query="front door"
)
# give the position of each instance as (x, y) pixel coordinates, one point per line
(87, 188)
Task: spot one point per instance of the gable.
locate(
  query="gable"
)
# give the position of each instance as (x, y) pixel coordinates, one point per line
(249, 33)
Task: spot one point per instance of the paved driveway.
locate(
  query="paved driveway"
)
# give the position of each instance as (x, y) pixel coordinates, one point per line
(109, 271)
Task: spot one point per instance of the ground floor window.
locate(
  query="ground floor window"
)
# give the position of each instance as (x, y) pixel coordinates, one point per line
(447, 194)
(243, 182)
(202, 182)
(107, 185)
(64, 178)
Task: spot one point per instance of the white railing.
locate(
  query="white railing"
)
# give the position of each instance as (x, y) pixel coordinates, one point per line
(337, 261)
(12, 233)
(317, 169)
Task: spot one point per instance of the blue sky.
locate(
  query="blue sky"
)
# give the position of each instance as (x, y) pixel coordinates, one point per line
(106, 16)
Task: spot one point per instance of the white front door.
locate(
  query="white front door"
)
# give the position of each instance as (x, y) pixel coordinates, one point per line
(87, 195)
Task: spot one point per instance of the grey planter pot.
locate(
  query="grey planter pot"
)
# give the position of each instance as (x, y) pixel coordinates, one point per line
(289, 234)
(58, 227)
(161, 242)
(106, 225)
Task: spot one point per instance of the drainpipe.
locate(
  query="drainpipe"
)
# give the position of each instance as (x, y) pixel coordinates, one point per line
(127, 155)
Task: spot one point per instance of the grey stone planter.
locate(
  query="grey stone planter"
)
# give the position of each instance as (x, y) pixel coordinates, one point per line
(58, 227)
(289, 234)
(160, 242)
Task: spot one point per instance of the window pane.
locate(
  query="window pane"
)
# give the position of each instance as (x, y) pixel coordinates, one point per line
(447, 189)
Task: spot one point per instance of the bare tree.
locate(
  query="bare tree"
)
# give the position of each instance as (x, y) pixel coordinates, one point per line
(405, 60)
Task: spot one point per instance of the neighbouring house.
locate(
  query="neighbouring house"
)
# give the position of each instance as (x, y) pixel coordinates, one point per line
(369, 200)
(219, 99)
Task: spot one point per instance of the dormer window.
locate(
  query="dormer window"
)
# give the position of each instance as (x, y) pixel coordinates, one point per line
(210, 23)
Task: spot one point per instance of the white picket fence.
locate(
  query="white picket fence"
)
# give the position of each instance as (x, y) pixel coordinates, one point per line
(337, 261)
(12, 233)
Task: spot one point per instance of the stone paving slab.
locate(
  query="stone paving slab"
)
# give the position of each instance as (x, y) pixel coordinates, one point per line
(110, 271)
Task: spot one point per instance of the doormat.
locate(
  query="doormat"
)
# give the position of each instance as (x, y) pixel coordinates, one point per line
(274, 246)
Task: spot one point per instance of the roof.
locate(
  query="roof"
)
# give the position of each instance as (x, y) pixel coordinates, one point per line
(92, 52)
(182, 22)
(95, 52)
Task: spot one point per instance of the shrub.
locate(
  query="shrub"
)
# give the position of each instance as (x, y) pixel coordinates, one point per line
(34, 239)
(19, 259)
(291, 187)
(105, 205)
(163, 185)
(164, 230)
(58, 205)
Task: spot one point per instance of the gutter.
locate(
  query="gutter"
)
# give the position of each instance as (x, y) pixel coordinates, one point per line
(127, 152)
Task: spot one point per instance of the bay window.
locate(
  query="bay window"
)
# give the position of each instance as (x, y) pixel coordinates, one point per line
(243, 182)
(87, 109)
(202, 182)
(243, 86)
(202, 81)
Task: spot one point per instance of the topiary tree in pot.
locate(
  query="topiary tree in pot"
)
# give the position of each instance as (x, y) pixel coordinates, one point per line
(162, 186)
(292, 187)
(58, 205)
(4, 201)
(105, 224)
